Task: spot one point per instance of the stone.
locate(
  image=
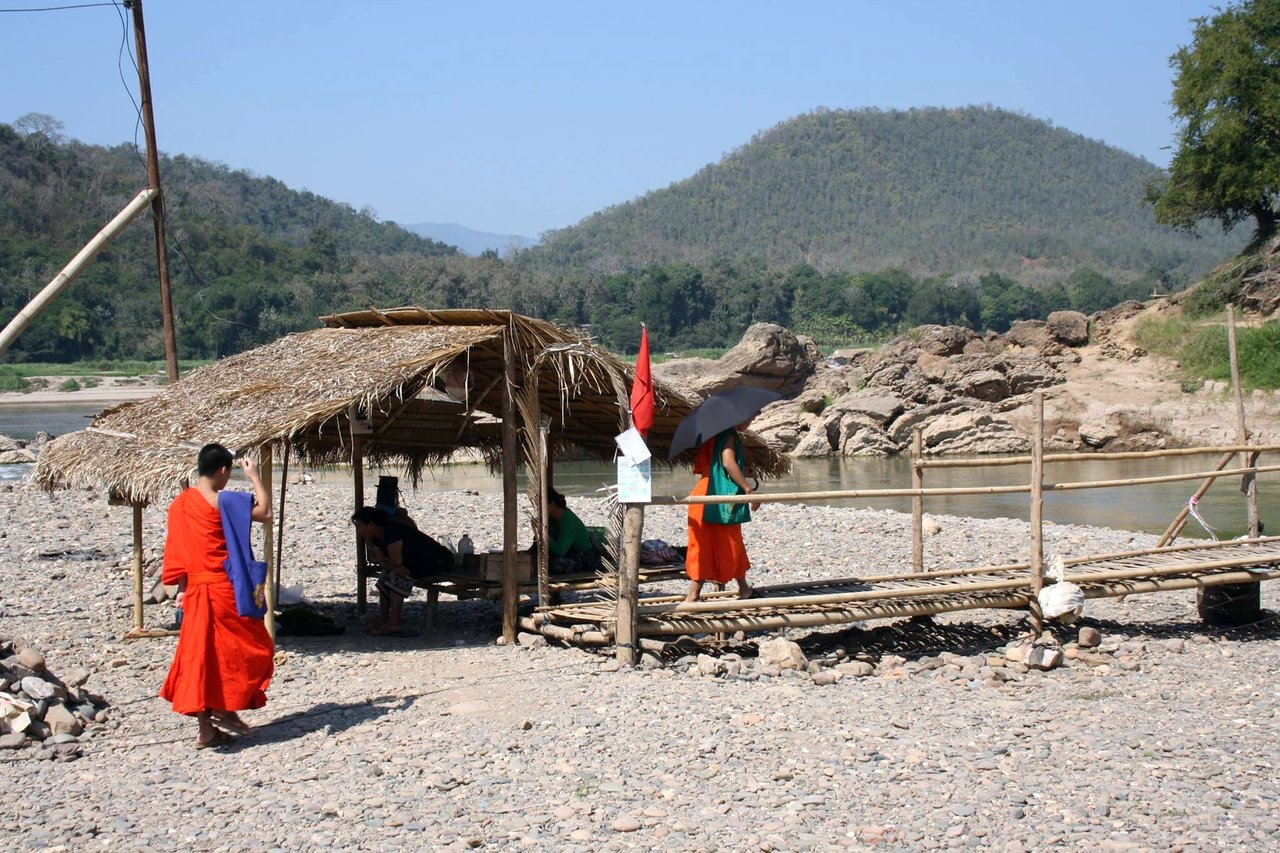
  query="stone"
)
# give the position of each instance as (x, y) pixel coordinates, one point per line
(17, 457)
(930, 527)
(31, 659)
(533, 641)
(625, 823)
(61, 720)
(825, 677)
(856, 669)
(1045, 659)
(13, 740)
(38, 689)
(1097, 431)
(877, 405)
(75, 677)
(1089, 638)
(1029, 334)
(709, 665)
(781, 654)
(1068, 327)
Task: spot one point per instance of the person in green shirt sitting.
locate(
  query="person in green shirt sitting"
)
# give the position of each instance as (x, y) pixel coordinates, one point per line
(568, 543)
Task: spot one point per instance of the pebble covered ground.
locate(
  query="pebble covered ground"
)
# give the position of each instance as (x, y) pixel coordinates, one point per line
(1166, 736)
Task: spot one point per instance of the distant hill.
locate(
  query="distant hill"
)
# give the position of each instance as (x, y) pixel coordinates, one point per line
(468, 239)
(249, 258)
(931, 191)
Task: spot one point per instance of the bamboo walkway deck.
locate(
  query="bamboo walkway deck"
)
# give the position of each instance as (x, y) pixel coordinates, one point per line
(855, 599)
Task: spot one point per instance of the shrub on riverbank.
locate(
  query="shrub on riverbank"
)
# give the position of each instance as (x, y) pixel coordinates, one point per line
(1202, 352)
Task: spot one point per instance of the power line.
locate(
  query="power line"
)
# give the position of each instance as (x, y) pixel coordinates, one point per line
(59, 8)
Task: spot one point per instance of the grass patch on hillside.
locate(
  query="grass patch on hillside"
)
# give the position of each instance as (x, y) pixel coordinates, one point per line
(11, 380)
(1202, 351)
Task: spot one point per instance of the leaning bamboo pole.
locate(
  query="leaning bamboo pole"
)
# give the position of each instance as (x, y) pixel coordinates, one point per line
(917, 500)
(284, 485)
(542, 465)
(74, 267)
(1175, 527)
(357, 483)
(510, 460)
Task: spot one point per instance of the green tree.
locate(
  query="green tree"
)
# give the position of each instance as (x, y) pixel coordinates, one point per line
(1226, 95)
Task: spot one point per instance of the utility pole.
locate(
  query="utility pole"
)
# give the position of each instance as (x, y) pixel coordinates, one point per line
(157, 202)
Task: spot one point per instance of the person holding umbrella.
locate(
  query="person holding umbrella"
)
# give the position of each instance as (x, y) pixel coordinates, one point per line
(716, 549)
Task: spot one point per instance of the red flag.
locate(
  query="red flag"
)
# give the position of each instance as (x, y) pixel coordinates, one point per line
(642, 389)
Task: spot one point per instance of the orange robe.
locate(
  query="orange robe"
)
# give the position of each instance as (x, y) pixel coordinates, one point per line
(716, 552)
(224, 660)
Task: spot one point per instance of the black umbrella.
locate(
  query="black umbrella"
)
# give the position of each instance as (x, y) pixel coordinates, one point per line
(718, 413)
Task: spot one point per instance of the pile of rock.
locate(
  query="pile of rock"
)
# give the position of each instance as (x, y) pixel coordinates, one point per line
(781, 658)
(19, 451)
(39, 709)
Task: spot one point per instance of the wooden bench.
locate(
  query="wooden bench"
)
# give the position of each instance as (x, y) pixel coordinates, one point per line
(469, 585)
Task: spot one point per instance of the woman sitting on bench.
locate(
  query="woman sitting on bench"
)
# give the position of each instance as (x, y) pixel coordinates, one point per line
(403, 550)
(568, 543)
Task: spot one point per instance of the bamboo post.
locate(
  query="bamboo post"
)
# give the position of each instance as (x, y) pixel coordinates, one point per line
(137, 567)
(625, 632)
(284, 485)
(268, 541)
(74, 267)
(544, 551)
(1180, 520)
(357, 479)
(917, 501)
(1248, 482)
(1037, 501)
(509, 462)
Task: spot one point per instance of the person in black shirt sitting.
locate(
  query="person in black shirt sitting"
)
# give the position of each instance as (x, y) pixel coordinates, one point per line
(403, 551)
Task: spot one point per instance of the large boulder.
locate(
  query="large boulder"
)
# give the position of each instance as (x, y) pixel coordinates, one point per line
(769, 356)
(989, 385)
(1028, 334)
(864, 436)
(903, 426)
(1068, 327)
(934, 340)
(880, 406)
(973, 431)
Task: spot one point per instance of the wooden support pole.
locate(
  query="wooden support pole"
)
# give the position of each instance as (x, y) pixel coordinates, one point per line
(137, 567)
(917, 500)
(83, 258)
(544, 487)
(157, 201)
(625, 633)
(268, 541)
(357, 479)
(284, 486)
(1249, 482)
(510, 460)
(1037, 504)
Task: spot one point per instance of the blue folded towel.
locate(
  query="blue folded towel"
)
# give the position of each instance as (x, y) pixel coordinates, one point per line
(248, 576)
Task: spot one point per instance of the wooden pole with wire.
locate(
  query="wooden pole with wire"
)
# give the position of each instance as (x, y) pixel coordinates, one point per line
(157, 202)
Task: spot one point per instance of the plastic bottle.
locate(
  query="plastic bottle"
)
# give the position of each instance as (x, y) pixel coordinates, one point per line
(465, 546)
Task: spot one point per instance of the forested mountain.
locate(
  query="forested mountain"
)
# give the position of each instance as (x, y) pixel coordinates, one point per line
(249, 257)
(931, 191)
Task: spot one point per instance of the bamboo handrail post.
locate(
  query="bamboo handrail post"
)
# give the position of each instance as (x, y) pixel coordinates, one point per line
(137, 567)
(268, 541)
(1037, 502)
(625, 630)
(917, 500)
(1248, 483)
(357, 482)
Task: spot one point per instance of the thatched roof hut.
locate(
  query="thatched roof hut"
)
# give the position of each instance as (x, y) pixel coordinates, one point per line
(404, 387)
(419, 384)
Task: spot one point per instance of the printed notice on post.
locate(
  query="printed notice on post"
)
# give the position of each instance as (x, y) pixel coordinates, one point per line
(635, 483)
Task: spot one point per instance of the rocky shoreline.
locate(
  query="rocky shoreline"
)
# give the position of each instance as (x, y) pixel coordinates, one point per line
(908, 735)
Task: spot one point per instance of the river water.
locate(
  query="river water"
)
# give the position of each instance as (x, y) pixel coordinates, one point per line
(1146, 508)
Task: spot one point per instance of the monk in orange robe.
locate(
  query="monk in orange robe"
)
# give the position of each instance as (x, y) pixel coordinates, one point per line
(224, 660)
(716, 551)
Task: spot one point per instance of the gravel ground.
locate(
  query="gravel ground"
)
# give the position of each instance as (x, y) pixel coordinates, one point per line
(1167, 739)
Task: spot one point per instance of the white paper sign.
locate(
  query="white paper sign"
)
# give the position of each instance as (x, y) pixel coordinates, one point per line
(632, 445)
(635, 482)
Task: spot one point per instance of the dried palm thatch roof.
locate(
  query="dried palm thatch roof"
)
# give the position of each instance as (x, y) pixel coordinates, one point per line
(426, 383)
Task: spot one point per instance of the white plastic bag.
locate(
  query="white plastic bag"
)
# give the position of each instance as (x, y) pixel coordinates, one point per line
(290, 595)
(1062, 599)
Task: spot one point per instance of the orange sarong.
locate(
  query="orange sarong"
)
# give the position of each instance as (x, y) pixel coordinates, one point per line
(224, 661)
(716, 552)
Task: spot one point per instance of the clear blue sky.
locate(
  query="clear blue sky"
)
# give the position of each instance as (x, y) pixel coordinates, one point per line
(519, 117)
